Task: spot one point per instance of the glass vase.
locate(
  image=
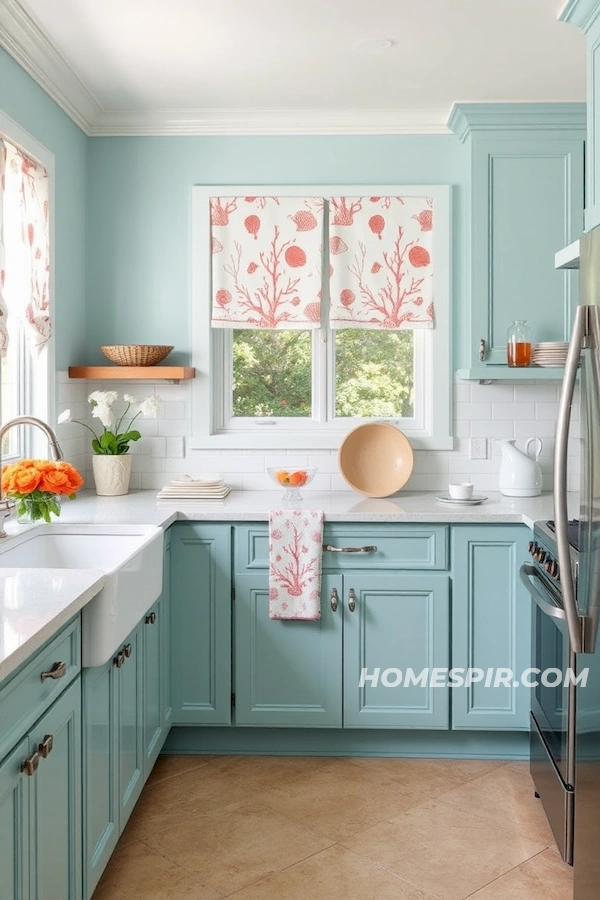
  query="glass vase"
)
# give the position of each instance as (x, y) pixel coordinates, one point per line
(518, 344)
(44, 507)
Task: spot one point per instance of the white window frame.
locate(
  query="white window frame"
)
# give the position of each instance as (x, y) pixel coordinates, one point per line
(38, 390)
(211, 388)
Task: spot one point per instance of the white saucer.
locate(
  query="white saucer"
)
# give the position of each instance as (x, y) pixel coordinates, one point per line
(450, 501)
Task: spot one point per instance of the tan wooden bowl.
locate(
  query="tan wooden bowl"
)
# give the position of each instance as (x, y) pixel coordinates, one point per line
(375, 459)
(136, 354)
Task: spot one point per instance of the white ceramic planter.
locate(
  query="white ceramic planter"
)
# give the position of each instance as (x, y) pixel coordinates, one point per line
(111, 474)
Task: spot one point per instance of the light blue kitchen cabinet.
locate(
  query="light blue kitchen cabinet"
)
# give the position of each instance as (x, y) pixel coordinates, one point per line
(130, 687)
(526, 202)
(585, 14)
(100, 769)
(393, 623)
(287, 672)
(55, 801)
(14, 824)
(157, 669)
(201, 623)
(40, 807)
(113, 751)
(491, 625)
(385, 615)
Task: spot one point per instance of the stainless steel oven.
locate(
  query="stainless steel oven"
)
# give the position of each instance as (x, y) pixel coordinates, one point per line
(552, 756)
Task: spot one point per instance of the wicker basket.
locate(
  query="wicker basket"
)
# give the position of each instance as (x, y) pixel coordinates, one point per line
(136, 354)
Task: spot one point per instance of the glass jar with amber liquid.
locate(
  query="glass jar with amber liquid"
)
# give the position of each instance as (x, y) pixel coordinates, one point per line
(518, 344)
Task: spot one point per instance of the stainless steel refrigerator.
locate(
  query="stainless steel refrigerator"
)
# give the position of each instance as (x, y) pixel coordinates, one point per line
(579, 577)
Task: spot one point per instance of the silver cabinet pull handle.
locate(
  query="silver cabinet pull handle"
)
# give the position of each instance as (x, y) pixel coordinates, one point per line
(127, 650)
(349, 549)
(57, 670)
(482, 349)
(29, 765)
(351, 600)
(151, 618)
(45, 748)
(334, 599)
(119, 659)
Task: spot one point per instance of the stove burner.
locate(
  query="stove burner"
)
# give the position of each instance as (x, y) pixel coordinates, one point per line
(572, 532)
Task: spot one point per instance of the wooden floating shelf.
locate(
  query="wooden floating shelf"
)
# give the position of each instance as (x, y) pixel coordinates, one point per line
(129, 373)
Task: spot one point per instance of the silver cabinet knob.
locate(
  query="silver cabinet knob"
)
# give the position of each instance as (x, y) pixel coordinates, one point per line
(351, 600)
(333, 599)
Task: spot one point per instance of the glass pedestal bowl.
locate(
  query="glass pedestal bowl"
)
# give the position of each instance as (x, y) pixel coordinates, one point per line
(292, 478)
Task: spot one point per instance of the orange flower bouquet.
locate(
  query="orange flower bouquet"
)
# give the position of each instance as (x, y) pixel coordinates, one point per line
(38, 485)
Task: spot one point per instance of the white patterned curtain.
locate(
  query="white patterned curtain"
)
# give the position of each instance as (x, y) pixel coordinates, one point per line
(381, 267)
(266, 262)
(28, 272)
(3, 309)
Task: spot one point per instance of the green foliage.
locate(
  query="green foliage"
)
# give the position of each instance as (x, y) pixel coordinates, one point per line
(110, 444)
(38, 505)
(272, 373)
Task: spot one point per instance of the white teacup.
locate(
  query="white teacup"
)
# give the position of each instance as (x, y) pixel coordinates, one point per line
(462, 491)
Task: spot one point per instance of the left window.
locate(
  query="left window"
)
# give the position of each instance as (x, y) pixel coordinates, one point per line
(26, 273)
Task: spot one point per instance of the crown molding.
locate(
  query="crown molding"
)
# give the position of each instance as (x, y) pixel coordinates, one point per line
(268, 122)
(23, 40)
(466, 118)
(27, 44)
(581, 13)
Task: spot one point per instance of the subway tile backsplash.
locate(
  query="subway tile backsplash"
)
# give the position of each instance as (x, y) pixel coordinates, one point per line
(498, 410)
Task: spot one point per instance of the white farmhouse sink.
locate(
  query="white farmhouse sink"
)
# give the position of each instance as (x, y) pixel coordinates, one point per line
(130, 557)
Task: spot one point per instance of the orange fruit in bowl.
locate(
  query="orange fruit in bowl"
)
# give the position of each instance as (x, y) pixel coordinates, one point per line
(282, 476)
(297, 479)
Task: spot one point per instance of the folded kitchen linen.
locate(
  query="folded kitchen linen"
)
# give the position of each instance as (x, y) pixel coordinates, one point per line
(295, 556)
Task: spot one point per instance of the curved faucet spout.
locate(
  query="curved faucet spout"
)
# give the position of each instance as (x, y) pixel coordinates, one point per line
(7, 505)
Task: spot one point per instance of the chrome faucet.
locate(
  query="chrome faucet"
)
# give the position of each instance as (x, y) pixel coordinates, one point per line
(6, 504)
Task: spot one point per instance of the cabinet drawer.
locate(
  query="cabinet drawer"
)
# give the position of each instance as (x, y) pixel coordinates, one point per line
(26, 696)
(398, 546)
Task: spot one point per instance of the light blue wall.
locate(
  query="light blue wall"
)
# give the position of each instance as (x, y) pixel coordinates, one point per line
(33, 110)
(139, 212)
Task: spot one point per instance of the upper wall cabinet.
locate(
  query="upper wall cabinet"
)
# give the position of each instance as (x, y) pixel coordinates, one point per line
(585, 14)
(526, 202)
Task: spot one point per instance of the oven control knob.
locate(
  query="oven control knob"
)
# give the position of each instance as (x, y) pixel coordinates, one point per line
(532, 547)
(542, 556)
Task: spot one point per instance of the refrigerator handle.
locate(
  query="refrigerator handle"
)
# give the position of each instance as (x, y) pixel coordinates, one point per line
(561, 516)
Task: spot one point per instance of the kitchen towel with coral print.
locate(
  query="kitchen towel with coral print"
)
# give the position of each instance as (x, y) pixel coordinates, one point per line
(267, 258)
(381, 269)
(295, 554)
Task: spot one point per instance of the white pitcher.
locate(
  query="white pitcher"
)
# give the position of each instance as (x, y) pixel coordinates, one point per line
(520, 474)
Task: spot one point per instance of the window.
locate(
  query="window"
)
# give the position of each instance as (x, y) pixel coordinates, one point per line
(26, 379)
(270, 389)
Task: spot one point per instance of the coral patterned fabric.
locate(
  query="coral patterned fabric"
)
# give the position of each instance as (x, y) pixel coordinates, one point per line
(3, 308)
(381, 262)
(30, 180)
(266, 262)
(295, 554)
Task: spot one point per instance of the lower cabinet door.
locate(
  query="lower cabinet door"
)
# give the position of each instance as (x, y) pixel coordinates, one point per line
(491, 625)
(154, 726)
(100, 770)
(286, 672)
(14, 824)
(131, 744)
(201, 623)
(56, 801)
(396, 625)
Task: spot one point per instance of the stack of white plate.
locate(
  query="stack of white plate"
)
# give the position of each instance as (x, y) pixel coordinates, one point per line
(195, 487)
(550, 353)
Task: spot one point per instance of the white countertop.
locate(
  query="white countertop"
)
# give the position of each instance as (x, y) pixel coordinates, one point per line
(141, 507)
(36, 603)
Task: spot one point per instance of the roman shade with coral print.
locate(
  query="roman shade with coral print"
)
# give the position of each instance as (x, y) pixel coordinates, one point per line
(24, 223)
(267, 259)
(381, 268)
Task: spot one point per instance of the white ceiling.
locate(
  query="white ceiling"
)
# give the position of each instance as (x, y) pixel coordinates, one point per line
(195, 66)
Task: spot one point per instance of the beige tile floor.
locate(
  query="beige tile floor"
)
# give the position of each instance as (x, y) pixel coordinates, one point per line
(290, 828)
